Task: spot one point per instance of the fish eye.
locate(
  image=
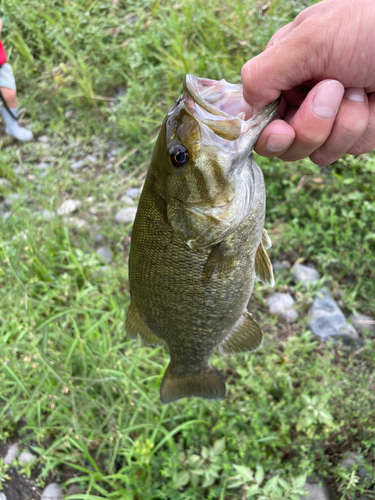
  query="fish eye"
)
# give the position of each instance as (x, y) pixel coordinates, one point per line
(179, 156)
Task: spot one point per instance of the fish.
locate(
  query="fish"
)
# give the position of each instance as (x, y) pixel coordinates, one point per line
(198, 240)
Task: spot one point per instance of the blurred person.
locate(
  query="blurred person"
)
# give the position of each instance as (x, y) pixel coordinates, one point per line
(8, 93)
(323, 66)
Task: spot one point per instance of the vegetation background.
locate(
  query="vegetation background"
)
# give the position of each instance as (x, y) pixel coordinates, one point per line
(96, 78)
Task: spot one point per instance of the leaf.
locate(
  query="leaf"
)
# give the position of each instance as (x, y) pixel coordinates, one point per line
(259, 474)
(271, 484)
(245, 472)
(209, 479)
(219, 446)
(195, 461)
(284, 484)
(254, 488)
(194, 479)
(183, 478)
(204, 452)
(236, 482)
(299, 481)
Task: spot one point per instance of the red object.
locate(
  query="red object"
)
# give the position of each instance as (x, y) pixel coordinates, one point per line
(3, 56)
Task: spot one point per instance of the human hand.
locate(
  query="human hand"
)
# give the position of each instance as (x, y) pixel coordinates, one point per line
(323, 64)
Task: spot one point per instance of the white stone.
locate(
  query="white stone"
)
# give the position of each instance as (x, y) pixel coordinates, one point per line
(11, 453)
(2, 496)
(327, 319)
(26, 457)
(77, 165)
(52, 492)
(316, 492)
(11, 198)
(282, 304)
(126, 215)
(68, 207)
(105, 254)
(43, 139)
(362, 322)
(45, 214)
(74, 221)
(127, 200)
(5, 184)
(133, 192)
(305, 274)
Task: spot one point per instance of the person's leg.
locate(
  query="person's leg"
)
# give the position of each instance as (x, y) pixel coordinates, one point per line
(9, 94)
(10, 97)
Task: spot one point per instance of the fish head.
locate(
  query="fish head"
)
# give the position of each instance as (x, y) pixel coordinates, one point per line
(203, 160)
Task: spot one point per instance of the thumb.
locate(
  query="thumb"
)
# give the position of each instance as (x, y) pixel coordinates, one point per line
(285, 64)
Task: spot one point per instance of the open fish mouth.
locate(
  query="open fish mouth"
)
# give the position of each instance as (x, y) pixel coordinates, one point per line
(216, 104)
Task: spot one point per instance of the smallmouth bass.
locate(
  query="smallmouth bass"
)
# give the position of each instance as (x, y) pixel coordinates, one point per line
(198, 241)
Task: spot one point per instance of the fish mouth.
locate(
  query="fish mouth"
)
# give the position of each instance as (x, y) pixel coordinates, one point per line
(216, 104)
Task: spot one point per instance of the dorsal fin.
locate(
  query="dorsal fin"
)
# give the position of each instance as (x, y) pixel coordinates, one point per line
(263, 266)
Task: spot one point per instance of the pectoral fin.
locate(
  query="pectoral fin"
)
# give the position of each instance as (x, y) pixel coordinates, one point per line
(219, 260)
(263, 266)
(134, 326)
(246, 336)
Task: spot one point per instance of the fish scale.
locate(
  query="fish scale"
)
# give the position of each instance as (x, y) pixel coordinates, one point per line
(196, 243)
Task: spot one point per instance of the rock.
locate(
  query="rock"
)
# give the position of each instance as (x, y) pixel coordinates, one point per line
(127, 200)
(74, 221)
(316, 491)
(109, 166)
(52, 492)
(73, 489)
(77, 165)
(2, 496)
(5, 184)
(278, 266)
(282, 304)
(98, 238)
(12, 453)
(91, 158)
(133, 192)
(11, 198)
(45, 214)
(43, 139)
(42, 165)
(327, 319)
(105, 254)
(26, 457)
(5, 215)
(68, 207)
(126, 215)
(362, 322)
(305, 274)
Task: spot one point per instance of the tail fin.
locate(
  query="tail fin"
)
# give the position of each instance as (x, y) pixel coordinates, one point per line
(208, 384)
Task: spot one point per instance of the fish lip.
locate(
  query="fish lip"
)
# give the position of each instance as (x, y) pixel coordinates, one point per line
(209, 102)
(194, 87)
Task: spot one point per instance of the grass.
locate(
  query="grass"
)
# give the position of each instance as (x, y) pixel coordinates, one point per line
(81, 395)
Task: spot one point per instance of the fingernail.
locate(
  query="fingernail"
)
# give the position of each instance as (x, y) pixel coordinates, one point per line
(355, 94)
(245, 106)
(328, 99)
(278, 143)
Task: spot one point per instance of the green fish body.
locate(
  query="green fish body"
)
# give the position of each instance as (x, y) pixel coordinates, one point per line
(198, 240)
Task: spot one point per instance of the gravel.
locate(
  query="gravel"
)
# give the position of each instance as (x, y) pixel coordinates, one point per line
(283, 305)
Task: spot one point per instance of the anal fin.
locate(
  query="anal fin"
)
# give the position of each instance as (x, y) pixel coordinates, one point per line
(263, 266)
(245, 336)
(208, 384)
(134, 326)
